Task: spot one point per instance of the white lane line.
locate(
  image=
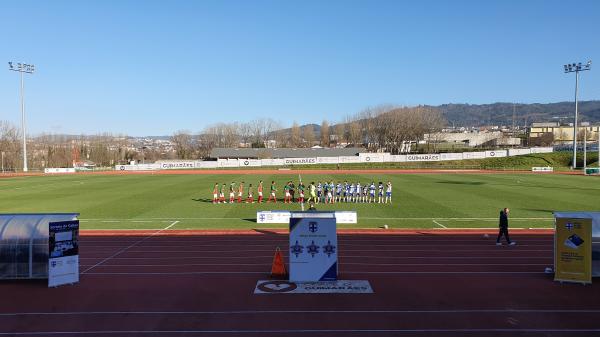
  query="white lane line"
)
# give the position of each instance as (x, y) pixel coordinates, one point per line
(345, 257)
(371, 218)
(126, 248)
(441, 250)
(344, 272)
(254, 312)
(479, 244)
(346, 263)
(171, 225)
(439, 224)
(285, 332)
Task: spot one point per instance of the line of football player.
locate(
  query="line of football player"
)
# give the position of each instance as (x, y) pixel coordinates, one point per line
(320, 192)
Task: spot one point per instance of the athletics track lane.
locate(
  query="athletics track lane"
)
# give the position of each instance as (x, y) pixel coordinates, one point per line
(425, 285)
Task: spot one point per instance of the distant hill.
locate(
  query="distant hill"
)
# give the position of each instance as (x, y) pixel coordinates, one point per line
(525, 114)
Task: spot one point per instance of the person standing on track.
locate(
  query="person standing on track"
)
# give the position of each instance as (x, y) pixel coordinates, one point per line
(503, 225)
(260, 192)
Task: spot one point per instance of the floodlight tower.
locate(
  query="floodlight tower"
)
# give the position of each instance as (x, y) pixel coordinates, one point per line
(576, 68)
(23, 69)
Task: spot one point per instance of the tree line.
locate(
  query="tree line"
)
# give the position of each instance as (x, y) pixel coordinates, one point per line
(382, 128)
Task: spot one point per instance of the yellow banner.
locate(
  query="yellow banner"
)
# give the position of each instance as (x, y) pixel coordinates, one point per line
(573, 250)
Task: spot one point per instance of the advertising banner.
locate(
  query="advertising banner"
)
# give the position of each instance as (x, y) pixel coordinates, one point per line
(206, 164)
(271, 287)
(495, 154)
(371, 157)
(249, 162)
(59, 170)
(328, 160)
(451, 156)
(423, 157)
(542, 169)
(573, 250)
(300, 161)
(175, 165)
(349, 159)
(397, 158)
(313, 247)
(63, 262)
(283, 217)
(518, 152)
(271, 162)
(273, 217)
(228, 163)
(541, 149)
(473, 155)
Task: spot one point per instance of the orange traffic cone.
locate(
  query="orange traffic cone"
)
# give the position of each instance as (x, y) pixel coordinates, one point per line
(278, 268)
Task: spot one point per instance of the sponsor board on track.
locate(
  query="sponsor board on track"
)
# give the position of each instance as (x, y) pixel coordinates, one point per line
(63, 252)
(542, 169)
(313, 247)
(283, 217)
(573, 250)
(268, 287)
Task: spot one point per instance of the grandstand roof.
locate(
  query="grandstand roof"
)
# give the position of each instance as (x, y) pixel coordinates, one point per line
(284, 153)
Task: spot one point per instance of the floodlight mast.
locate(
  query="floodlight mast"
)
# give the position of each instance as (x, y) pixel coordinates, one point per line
(22, 68)
(576, 68)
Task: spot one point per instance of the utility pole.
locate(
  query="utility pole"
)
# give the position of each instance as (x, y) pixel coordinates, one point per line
(584, 149)
(23, 69)
(576, 68)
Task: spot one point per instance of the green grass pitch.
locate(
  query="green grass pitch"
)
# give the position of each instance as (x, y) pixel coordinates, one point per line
(420, 200)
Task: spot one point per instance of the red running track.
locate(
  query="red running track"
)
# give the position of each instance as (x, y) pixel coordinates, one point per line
(428, 284)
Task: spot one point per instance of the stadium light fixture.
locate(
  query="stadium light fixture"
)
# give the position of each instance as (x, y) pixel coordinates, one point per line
(22, 68)
(576, 68)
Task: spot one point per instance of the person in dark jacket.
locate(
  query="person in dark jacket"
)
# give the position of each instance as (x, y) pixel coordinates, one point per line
(503, 224)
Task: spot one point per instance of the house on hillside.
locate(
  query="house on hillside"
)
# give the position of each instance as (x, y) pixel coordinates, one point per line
(555, 133)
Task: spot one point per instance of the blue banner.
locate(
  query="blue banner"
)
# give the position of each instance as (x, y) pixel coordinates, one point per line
(313, 247)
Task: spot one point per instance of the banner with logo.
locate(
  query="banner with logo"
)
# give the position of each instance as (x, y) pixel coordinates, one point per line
(228, 163)
(59, 170)
(249, 162)
(573, 250)
(63, 261)
(283, 217)
(423, 157)
(300, 161)
(176, 165)
(495, 154)
(313, 247)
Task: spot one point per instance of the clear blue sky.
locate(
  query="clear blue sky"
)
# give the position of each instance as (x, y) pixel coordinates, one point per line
(154, 67)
